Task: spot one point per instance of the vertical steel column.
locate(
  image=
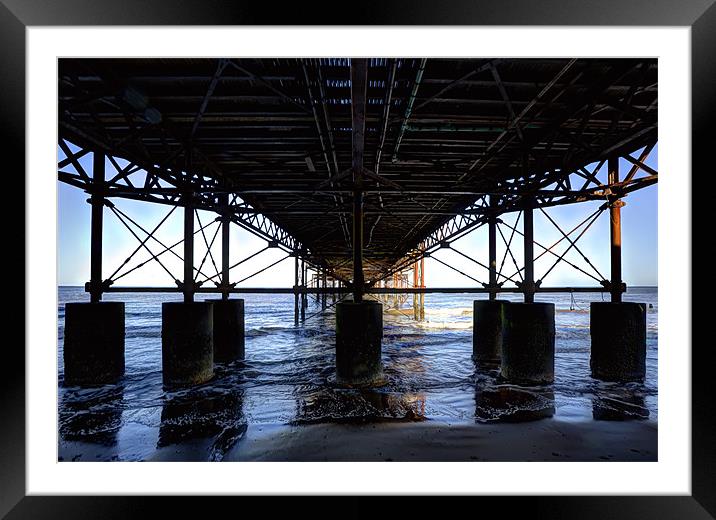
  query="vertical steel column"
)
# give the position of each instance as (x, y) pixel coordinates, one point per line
(416, 314)
(225, 228)
(528, 228)
(359, 84)
(324, 296)
(615, 231)
(97, 202)
(295, 289)
(529, 253)
(304, 295)
(492, 244)
(422, 286)
(188, 285)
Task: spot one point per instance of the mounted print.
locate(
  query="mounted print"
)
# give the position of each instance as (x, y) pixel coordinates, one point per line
(358, 259)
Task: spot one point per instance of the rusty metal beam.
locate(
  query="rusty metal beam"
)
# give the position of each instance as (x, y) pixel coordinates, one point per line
(188, 282)
(615, 233)
(97, 202)
(359, 85)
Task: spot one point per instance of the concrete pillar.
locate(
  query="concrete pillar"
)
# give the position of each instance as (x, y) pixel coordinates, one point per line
(228, 317)
(618, 332)
(93, 349)
(187, 342)
(488, 328)
(528, 345)
(359, 333)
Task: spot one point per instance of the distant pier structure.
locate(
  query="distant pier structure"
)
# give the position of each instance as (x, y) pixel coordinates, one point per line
(358, 170)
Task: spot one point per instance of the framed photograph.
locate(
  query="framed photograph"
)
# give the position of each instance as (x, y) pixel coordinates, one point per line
(425, 243)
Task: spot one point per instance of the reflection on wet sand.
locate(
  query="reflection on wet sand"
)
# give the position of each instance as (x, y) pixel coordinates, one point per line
(218, 419)
(92, 415)
(339, 404)
(619, 406)
(358, 406)
(507, 403)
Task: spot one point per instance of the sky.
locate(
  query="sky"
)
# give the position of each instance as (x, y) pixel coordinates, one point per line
(639, 244)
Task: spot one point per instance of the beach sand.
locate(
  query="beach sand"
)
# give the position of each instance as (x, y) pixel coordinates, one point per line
(544, 440)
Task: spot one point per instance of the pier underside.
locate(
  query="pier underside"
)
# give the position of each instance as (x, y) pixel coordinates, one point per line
(408, 153)
(359, 169)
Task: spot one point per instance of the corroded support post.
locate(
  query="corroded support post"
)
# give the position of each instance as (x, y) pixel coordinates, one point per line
(228, 314)
(492, 245)
(187, 326)
(617, 329)
(93, 347)
(225, 229)
(188, 283)
(528, 284)
(97, 202)
(359, 84)
(304, 286)
(359, 324)
(324, 295)
(422, 285)
(615, 232)
(416, 310)
(295, 289)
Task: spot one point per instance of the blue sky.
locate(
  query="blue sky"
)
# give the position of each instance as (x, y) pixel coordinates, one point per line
(639, 244)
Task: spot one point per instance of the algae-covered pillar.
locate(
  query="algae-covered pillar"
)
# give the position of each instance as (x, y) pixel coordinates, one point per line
(359, 323)
(93, 348)
(618, 329)
(228, 314)
(187, 326)
(528, 348)
(488, 316)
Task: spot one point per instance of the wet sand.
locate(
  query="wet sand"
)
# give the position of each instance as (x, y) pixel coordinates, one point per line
(544, 440)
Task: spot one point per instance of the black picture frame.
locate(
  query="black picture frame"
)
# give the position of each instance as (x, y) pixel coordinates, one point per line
(16, 15)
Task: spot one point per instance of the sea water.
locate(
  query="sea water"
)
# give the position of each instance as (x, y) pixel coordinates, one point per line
(288, 376)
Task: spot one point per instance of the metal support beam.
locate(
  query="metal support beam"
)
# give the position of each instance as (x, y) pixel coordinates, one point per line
(492, 244)
(373, 290)
(359, 84)
(324, 296)
(304, 295)
(615, 232)
(295, 289)
(188, 284)
(225, 228)
(528, 284)
(97, 202)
